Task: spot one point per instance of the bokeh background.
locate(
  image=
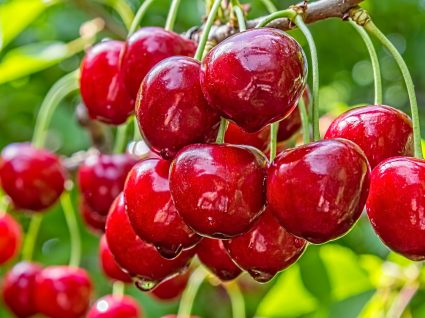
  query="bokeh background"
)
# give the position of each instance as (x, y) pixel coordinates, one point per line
(354, 276)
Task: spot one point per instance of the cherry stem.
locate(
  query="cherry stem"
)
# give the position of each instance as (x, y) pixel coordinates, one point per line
(222, 130)
(288, 13)
(374, 60)
(273, 140)
(373, 29)
(136, 133)
(239, 15)
(31, 237)
(236, 299)
(118, 289)
(304, 120)
(121, 138)
(269, 5)
(188, 297)
(172, 14)
(74, 232)
(122, 9)
(139, 16)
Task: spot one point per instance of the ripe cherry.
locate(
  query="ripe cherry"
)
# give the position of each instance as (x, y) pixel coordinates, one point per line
(111, 306)
(94, 220)
(318, 191)
(219, 190)
(381, 131)
(109, 265)
(33, 178)
(145, 48)
(266, 249)
(10, 237)
(172, 288)
(213, 255)
(63, 292)
(237, 136)
(101, 84)
(19, 289)
(171, 109)
(151, 211)
(254, 77)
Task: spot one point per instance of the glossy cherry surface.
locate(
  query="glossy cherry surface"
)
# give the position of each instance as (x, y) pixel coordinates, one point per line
(219, 190)
(102, 86)
(266, 249)
(395, 205)
(237, 136)
(254, 77)
(33, 178)
(381, 131)
(19, 289)
(172, 288)
(151, 211)
(213, 255)
(10, 238)
(171, 109)
(111, 306)
(318, 191)
(109, 265)
(63, 292)
(92, 219)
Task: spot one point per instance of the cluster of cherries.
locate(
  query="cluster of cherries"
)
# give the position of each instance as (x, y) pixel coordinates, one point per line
(224, 202)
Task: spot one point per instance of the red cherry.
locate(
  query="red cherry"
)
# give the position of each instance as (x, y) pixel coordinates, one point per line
(171, 109)
(151, 211)
(101, 178)
(111, 306)
(94, 220)
(172, 288)
(266, 249)
(19, 289)
(140, 259)
(10, 238)
(318, 191)
(109, 265)
(145, 48)
(212, 254)
(254, 77)
(33, 178)
(395, 205)
(101, 84)
(219, 190)
(381, 131)
(63, 292)
(236, 135)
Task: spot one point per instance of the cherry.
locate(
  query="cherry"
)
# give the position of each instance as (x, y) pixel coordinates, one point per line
(318, 191)
(111, 306)
(94, 220)
(219, 190)
(171, 109)
(33, 178)
(145, 48)
(254, 77)
(10, 237)
(101, 178)
(171, 288)
(381, 131)
(213, 255)
(151, 211)
(19, 289)
(63, 292)
(101, 84)
(109, 265)
(140, 259)
(266, 249)
(236, 135)
(395, 205)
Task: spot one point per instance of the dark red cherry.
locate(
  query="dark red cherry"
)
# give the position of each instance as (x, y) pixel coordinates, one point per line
(237, 136)
(145, 48)
(111, 306)
(396, 205)
(101, 178)
(254, 77)
(318, 191)
(63, 292)
(10, 237)
(109, 265)
(33, 178)
(219, 190)
(381, 131)
(140, 259)
(19, 289)
(171, 109)
(94, 220)
(151, 211)
(172, 288)
(266, 249)
(213, 255)
(102, 86)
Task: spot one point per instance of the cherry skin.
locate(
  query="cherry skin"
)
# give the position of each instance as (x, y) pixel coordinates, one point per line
(151, 211)
(381, 131)
(219, 190)
(92, 219)
(172, 288)
(318, 191)
(33, 178)
(10, 238)
(140, 259)
(237, 136)
(171, 109)
(145, 48)
(111, 306)
(63, 292)
(213, 255)
(102, 86)
(109, 265)
(19, 289)
(266, 249)
(395, 205)
(254, 77)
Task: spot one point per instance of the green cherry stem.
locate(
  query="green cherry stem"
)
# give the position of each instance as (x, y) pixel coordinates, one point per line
(188, 297)
(222, 130)
(74, 232)
(121, 137)
(273, 139)
(172, 14)
(304, 121)
(139, 16)
(31, 237)
(269, 5)
(288, 13)
(236, 299)
(118, 289)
